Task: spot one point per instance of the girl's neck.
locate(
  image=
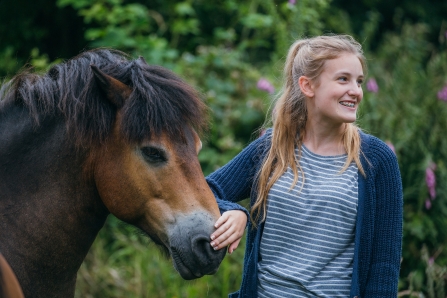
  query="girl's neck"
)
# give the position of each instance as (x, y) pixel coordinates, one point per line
(324, 141)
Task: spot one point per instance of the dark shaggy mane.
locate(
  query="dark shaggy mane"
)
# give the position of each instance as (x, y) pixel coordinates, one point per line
(160, 102)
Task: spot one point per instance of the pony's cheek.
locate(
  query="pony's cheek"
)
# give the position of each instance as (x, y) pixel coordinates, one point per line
(121, 188)
(135, 191)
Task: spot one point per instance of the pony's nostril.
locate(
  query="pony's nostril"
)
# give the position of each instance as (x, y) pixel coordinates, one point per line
(201, 243)
(203, 251)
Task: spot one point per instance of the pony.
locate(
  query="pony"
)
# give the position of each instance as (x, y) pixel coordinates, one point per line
(101, 133)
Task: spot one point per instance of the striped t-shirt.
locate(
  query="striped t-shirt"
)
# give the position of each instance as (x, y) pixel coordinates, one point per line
(307, 245)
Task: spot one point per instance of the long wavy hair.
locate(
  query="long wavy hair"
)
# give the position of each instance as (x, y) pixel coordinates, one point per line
(306, 57)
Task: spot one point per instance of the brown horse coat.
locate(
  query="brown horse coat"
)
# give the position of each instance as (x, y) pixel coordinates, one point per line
(9, 286)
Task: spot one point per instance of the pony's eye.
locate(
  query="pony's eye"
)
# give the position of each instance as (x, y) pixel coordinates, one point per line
(153, 154)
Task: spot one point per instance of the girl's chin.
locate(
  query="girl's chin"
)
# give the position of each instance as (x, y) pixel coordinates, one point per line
(351, 115)
(351, 119)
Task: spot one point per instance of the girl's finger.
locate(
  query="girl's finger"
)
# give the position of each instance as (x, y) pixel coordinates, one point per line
(233, 246)
(221, 220)
(219, 233)
(218, 225)
(223, 239)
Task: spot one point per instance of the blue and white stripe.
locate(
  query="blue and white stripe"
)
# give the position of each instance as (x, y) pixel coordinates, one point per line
(307, 245)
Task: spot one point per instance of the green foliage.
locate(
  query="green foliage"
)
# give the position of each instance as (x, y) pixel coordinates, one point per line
(37, 62)
(7, 61)
(128, 27)
(40, 62)
(237, 107)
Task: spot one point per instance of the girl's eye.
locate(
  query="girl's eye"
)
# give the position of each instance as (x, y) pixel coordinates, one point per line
(154, 155)
(343, 79)
(360, 81)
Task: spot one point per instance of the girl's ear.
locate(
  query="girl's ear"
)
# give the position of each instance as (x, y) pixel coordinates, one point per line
(306, 86)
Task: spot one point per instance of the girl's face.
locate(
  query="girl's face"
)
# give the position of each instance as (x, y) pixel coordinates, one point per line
(338, 92)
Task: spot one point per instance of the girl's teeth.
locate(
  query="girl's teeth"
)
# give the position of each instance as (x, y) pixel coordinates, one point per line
(348, 104)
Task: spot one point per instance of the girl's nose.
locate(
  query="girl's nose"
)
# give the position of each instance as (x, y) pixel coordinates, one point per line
(355, 90)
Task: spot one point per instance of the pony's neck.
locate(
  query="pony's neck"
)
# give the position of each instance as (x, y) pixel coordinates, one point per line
(49, 213)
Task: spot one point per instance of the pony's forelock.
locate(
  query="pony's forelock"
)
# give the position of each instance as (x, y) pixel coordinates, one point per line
(160, 102)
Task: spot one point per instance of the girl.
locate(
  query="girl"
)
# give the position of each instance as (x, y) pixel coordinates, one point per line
(326, 198)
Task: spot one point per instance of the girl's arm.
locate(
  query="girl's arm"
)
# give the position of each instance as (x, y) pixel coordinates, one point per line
(232, 183)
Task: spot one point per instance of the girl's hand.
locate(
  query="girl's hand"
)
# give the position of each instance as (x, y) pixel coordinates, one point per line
(229, 230)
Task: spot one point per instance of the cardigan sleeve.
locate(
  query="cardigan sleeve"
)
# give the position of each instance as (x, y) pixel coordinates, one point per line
(233, 182)
(387, 237)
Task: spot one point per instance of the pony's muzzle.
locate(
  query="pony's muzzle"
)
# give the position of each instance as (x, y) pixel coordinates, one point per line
(190, 248)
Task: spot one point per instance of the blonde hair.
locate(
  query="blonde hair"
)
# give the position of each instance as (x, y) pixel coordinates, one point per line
(306, 57)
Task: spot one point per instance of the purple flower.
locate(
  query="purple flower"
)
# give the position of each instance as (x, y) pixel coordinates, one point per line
(292, 2)
(372, 86)
(430, 180)
(427, 204)
(265, 85)
(391, 146)
(431, 261)
(442, 95)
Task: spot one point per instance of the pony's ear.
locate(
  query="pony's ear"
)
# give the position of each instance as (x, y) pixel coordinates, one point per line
(141, 59)
(116, 91)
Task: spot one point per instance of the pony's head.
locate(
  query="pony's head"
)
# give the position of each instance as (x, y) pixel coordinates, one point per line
(140, 127)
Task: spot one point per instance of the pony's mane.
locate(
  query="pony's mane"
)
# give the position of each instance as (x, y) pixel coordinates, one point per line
(160, 102)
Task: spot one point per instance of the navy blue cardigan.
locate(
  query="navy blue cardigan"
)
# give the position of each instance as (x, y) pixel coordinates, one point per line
(378, 235)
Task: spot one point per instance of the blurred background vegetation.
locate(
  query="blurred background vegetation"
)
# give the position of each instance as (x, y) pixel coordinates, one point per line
(233, 52)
